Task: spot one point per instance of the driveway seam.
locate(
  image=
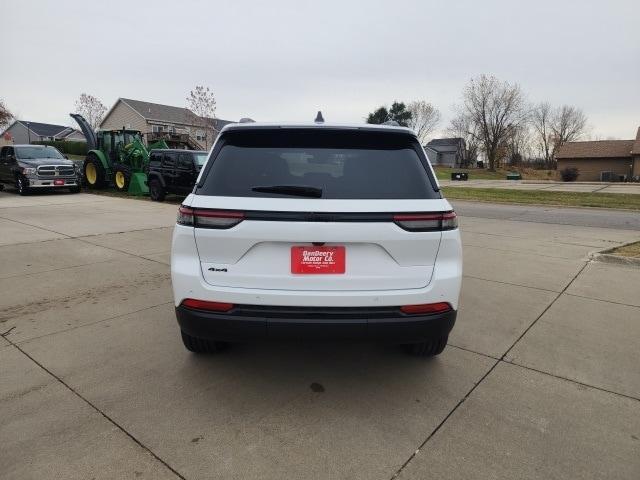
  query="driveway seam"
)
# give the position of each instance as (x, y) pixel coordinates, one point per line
(559, 377)
(601, 300)
(577, 382)
(439, 426)
(115, 317)
(36, 226)
(545, 310)
(512, 284)
(107, 417)
(501, 359)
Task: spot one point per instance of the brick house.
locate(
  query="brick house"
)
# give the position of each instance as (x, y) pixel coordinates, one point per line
(157, 121)
(595, 159)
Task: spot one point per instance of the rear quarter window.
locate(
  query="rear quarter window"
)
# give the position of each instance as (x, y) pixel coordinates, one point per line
(348, 164)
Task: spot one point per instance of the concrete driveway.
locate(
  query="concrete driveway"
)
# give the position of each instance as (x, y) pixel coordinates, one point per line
(541, 378)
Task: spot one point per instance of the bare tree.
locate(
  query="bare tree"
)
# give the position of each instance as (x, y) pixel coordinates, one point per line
(555, 127)
(5, 115)
(518, 144)
(461, 126)
(425, 117)
(541, 120)
(202, 103)
(495, 108)
(91, 109)
(569, 123)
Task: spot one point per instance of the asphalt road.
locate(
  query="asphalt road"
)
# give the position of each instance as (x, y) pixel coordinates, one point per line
(539, 379)
(582, 217)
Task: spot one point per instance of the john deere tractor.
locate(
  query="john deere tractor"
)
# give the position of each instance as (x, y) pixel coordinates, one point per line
(116, 156)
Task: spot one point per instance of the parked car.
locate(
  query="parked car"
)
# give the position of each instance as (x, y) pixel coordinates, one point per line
(316, 231)
(173, 171)
(30, 167)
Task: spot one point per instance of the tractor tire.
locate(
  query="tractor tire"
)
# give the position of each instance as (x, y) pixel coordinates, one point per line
(21, 185)
(156, 190)
(93, 172)
(427, 349)
(121, 177)
(201, 345)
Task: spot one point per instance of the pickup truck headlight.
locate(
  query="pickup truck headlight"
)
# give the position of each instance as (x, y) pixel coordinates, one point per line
(28, 171)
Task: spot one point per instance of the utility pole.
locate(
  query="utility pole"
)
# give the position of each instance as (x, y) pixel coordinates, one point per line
(29, 132)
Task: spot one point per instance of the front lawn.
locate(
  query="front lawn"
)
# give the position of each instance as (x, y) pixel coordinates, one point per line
(544, 197)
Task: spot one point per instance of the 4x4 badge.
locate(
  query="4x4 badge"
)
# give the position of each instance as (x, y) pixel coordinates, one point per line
(213, 269)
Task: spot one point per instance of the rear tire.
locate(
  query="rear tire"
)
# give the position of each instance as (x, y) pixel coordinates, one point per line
(21, 185)
(93, 172)
(121, 177)
(427, 349)
(156, 190)
(201, 345)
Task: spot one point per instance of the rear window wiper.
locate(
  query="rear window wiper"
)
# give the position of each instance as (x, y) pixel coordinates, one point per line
(296, 190)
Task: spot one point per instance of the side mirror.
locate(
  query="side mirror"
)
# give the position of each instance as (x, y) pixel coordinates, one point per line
(66, 156)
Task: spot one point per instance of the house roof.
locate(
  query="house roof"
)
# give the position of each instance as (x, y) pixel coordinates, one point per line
(167, 113)
(596, 149)
(45, 129)
(157, 111)
(445, 141)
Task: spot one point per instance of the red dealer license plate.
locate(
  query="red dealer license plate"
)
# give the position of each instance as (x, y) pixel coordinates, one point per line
(309, 260)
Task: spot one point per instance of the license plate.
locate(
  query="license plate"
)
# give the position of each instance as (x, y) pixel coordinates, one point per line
(58, 182)
(317, 260)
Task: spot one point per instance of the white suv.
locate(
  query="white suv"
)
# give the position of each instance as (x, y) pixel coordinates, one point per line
(316, 231)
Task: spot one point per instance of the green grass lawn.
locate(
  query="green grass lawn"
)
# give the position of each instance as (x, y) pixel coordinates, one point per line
(542, 197)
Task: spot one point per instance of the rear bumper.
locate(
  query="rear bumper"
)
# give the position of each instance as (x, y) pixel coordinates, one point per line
(258, 322)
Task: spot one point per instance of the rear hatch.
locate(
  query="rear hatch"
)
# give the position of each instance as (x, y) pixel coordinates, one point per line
(317, 209)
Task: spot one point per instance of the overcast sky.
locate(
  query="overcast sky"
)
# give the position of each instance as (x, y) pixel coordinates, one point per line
(283, 60)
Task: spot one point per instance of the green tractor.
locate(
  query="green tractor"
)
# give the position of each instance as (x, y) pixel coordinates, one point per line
(116, 156)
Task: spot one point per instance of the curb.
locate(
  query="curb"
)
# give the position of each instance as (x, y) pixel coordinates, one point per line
(605, 257)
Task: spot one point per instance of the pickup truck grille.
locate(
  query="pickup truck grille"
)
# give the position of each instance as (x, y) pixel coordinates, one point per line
(56, 171)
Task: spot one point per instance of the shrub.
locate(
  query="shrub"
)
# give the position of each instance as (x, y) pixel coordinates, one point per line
(72, 148)
(569, 174)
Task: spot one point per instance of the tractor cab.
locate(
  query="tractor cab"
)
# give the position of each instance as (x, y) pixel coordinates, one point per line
(111, 142)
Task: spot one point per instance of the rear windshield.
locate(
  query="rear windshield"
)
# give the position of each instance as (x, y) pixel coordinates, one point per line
(347, 164)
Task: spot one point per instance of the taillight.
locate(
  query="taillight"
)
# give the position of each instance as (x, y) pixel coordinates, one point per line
(426, 308)
(426, 222)
(202, 218)
(185, 216)
(206, 305)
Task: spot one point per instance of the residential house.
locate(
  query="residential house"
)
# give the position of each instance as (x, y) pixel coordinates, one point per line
(23, 131)
(449, 152)
(602, 160)
(176, 125)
